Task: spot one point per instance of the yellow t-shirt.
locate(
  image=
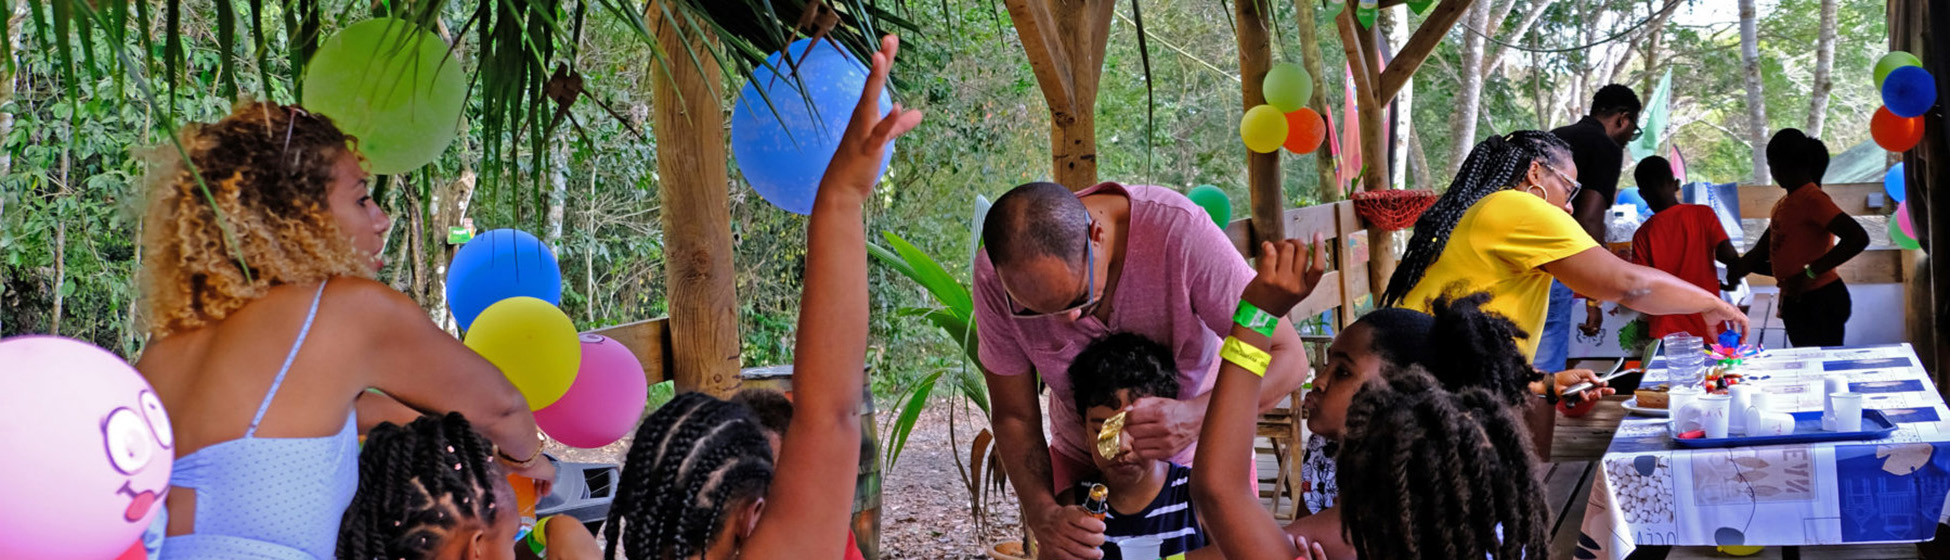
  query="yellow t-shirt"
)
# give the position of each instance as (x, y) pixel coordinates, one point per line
(1498, 247)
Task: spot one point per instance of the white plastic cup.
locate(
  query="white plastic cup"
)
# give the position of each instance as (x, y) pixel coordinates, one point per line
(1713, 415)
(1758, 405)
(1140, 548)
(1741, 397)
(1848, 411)
(1831, 384)
(1771, 424)
(1683, 418)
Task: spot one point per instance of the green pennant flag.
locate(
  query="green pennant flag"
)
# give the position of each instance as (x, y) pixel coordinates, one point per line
(1421, 7)
(1366, 13)
(1654, 119)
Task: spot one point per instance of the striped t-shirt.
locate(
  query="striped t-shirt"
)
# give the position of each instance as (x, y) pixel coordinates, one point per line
(1170, 517)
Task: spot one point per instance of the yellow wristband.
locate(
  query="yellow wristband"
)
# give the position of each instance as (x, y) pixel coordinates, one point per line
(1245, 356)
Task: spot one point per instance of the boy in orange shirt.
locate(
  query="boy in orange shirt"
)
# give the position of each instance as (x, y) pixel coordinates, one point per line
(1800, 247)
(1682, 239)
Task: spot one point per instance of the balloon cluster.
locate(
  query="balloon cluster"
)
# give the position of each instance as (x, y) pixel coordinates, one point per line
(1908, 91)
(91, 451)
(787, 120)
(1285, 119)
(504, 288)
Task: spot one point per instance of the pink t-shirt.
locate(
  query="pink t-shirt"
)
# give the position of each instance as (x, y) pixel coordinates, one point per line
(1180, 286)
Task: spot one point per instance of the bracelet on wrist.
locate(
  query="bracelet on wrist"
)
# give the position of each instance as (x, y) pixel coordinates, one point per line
(1246, 356)
(1254, 318)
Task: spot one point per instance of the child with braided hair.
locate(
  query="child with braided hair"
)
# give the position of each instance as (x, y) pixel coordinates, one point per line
(699, 480)
(1504, 226)
(432, 489)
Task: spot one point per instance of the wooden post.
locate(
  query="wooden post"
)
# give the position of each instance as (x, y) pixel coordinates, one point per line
(1330, 186)
(1916, 26)
(1262, 170)
(1065, 41)
(689, 124)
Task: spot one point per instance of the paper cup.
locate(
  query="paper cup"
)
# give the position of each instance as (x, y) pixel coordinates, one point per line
(1771, 424)
(1140, 548)
(1686, 419)
(1831, 384)
(1758, 404)
(1848, 411)
(1742, 397)
(1713, 415)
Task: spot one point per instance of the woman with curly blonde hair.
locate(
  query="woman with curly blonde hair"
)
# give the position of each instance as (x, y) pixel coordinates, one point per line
(266, 327)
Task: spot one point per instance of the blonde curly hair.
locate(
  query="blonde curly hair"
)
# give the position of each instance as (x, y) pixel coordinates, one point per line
(268, 167)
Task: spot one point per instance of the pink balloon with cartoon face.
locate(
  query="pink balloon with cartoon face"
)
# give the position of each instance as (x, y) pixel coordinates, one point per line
(90, 449)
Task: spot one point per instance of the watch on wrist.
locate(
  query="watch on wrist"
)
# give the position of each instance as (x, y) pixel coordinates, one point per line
(1809, 270)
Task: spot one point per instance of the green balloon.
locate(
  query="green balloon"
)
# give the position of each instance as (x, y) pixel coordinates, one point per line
(1896, 236)
(1214, 201)
(1287, 87)
(1890, 62)
(391, 85)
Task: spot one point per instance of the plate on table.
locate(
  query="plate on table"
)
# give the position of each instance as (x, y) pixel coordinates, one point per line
(1632, 405)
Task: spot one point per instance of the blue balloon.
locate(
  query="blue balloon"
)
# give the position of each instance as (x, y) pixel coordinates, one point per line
(1894, 183)
(498, 265)
(1630, 195)
(783, 147)
(1909, 91)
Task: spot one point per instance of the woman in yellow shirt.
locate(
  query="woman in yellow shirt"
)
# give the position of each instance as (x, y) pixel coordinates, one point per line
(1504, 227)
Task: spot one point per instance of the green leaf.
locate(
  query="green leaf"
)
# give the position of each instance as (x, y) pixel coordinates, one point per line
(915, 401)
(931, 276)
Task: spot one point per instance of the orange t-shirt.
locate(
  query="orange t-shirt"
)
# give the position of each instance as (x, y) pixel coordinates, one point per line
(1800, 234)
(1680, 240)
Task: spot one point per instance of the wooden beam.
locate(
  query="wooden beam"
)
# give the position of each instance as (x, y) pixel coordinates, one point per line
(689, 124)
(1262, 170)
(1423, 42)
(1874, 266)
(1757, 201)
(1065, 40)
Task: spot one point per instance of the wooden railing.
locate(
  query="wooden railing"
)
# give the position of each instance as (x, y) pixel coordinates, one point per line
(1874, 266)
(1346, 286)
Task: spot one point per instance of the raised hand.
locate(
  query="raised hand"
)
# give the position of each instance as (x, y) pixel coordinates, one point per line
(1288, 272)
(856, 164)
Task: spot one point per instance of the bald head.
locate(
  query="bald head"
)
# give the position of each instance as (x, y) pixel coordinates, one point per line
(1036, 220)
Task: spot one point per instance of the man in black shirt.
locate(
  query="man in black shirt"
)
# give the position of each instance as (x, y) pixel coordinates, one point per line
(1598, 148)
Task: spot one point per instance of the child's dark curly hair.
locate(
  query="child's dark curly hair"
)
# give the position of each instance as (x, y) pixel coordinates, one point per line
(1118, 362)
(1429, 473)
(268, 167)
(693, 460)
(417, 485)
(1477, 348)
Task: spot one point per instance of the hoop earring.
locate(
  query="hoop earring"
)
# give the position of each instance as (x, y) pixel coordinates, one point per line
(1540, 192)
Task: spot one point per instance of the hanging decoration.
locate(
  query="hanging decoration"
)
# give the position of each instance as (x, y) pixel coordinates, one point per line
(1304, 131)
(1893, 133)
(784, 138)
(1287, 87)
(1214, 201)
(1890, 62)
(1263, 129)
(393, 86)
(1909, 91)
(1895, 184)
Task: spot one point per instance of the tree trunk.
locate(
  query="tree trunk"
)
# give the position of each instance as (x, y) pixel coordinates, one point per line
(60, 272)
(449, 211)
(1395, 21)
(1469, 91)
(1330, 185)
(1756, 101)
(558, 193)
(1064, 40)
(1647, 82)
(1530, 15)
(17, 17)
(1262, 170)
(1824, 63)
(1419, 165)
(689, 125)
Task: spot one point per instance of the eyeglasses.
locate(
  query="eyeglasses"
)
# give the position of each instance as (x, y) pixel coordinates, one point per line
(1576, 187)
(1637, 131)
(1083, 304)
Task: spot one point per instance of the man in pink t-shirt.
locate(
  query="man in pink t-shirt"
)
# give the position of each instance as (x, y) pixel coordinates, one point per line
(1060, 269)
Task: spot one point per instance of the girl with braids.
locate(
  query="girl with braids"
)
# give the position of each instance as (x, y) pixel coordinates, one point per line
(432, 489)
(700, 474)
(1504, 227)
(266, 326)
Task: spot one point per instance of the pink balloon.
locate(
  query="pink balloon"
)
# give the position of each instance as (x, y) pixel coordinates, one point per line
(604, 402)
(1903, 221)
(90, 446)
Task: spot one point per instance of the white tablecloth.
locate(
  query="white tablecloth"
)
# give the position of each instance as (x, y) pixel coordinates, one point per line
(1651, 492)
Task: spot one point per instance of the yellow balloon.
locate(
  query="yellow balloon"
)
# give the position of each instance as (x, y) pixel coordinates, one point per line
(1732, 550)
(533, 343)
(1263, 129)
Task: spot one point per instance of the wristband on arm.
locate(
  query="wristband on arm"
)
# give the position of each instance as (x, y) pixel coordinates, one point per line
(1252, 317)
(1246, 356)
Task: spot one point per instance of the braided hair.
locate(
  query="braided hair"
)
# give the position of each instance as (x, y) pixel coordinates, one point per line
(1429, 473)
(1494, 164)
(1478, 348)
(418, 484)
(693, 460)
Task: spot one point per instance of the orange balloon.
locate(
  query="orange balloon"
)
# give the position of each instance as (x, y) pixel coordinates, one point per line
(1893, 133)
(1304, 131)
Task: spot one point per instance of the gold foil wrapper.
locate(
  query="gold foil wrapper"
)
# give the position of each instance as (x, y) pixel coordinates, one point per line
(1111, 437)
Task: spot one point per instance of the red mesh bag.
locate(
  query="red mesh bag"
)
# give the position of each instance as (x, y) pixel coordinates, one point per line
(1393, 209)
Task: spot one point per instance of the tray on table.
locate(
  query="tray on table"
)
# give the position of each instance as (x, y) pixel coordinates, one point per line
(1807, 429)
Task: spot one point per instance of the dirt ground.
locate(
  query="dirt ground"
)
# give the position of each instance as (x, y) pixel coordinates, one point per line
(924, 509)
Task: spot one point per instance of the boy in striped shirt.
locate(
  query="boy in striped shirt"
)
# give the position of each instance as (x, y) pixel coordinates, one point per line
(1147, 497)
